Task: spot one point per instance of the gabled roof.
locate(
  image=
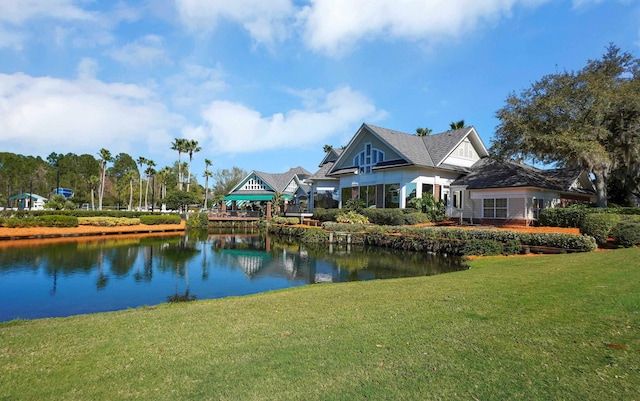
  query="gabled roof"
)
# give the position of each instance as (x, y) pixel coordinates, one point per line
(488, 173)
(422, 151)
(278, 182)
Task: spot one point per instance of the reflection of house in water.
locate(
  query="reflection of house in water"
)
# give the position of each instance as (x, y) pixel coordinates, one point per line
(255, 257)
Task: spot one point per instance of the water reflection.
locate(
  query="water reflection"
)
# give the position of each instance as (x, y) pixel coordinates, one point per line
(66, 278)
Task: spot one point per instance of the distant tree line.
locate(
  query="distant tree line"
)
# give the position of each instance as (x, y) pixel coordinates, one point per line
(117, 181)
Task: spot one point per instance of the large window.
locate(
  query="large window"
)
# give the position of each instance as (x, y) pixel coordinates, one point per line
(368, 195)
(538, 205)
(392, 196)
(368, 158)
(494, 208)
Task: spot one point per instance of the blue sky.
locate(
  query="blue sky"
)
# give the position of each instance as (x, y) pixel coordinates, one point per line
(264, 85)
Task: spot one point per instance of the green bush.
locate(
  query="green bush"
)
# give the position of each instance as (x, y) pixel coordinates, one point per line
(416, 218)
(58, 221)
(197, 221)
(512, 247)
(390, 217)
(104, 221)
(161, 219)
(352, 217)
(481, 247)
(315, 235)
(571, 217)
(285, 220)
(627, 233)
(599, 226)
(323, 215)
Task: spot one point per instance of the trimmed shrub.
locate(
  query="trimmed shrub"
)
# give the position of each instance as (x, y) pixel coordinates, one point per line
(161, 219)
(599, 226)
(482, 247)
(285, 220)
(315, 235)
(571, 217)
(627, 233)
(352, 217)
(108, 221)
(58, 221)
(197, 221)
(416, 218)
(390, 217)
(326, 214)
(512, 247)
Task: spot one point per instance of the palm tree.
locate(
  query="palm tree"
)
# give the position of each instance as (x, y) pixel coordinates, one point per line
(94, 180)
(131, 177)
(207, 174)
(163, 175)
(179, 144)
(105, 157)
(457, 125)
(192, 147)
(423, 131)
(141, 160)
(149, 172)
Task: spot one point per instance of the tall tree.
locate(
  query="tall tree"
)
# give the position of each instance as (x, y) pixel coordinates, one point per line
(588, 118)
(179, 145)
(94, 180)
(141, 161)
(207, 174)
(148, 172)
(105, 157)
(192, 147)
(227, 179)
(457, 124)
(423, 131)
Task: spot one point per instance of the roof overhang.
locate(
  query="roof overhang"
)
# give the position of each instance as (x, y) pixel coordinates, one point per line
(253, 197)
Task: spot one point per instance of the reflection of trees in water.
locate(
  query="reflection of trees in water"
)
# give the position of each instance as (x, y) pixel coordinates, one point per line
(175, 257)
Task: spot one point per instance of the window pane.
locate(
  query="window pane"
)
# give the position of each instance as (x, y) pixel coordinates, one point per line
(501, 213)
(501, 202)
(488, 203)
(488, 213)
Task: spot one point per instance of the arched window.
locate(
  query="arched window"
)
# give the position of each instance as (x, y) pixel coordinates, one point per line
(367, 158)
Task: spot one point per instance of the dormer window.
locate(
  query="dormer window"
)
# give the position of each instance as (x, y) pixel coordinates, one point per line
(367, 158)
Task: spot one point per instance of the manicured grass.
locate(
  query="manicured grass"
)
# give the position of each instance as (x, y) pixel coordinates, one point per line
(563, 327)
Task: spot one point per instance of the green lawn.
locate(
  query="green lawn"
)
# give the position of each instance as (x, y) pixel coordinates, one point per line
(562, 327)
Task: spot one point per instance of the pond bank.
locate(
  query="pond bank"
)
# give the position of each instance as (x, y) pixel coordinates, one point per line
(22, 233)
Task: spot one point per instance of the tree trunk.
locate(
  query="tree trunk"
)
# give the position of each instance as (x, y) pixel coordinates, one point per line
(601, 187)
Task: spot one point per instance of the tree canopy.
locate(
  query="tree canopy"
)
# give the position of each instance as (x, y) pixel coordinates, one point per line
(589, 118)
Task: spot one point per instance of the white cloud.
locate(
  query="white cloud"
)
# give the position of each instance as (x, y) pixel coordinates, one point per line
(39, 115)
(234, 128)
(195, 85)
(18, 11)
(147, 50)
(264, 20)
(332, 27)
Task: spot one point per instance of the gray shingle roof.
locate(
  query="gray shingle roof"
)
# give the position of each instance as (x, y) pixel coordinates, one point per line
(279, 181)
(490, 173)
(427, 151)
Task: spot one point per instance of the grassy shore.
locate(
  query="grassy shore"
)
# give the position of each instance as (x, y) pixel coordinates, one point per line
(562, 327)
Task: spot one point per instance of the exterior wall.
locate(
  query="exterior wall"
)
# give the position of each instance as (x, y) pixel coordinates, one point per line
(521, 204)
(408, 178)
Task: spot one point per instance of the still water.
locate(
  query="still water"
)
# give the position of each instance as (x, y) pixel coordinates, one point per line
(61, 278)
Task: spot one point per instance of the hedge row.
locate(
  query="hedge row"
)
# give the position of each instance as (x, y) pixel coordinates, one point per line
(451, 241)
(39, 221)
(574, 216)
(391, 217)
(108, 221)
(76, 213)
(161, 219)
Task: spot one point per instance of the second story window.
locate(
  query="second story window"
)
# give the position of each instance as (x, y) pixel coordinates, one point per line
(367, 158)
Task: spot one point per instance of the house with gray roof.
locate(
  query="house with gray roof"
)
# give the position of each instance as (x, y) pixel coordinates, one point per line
(259, 186)
(386, 169)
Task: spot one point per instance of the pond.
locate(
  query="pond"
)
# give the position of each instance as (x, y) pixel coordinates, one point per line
(55, 278)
